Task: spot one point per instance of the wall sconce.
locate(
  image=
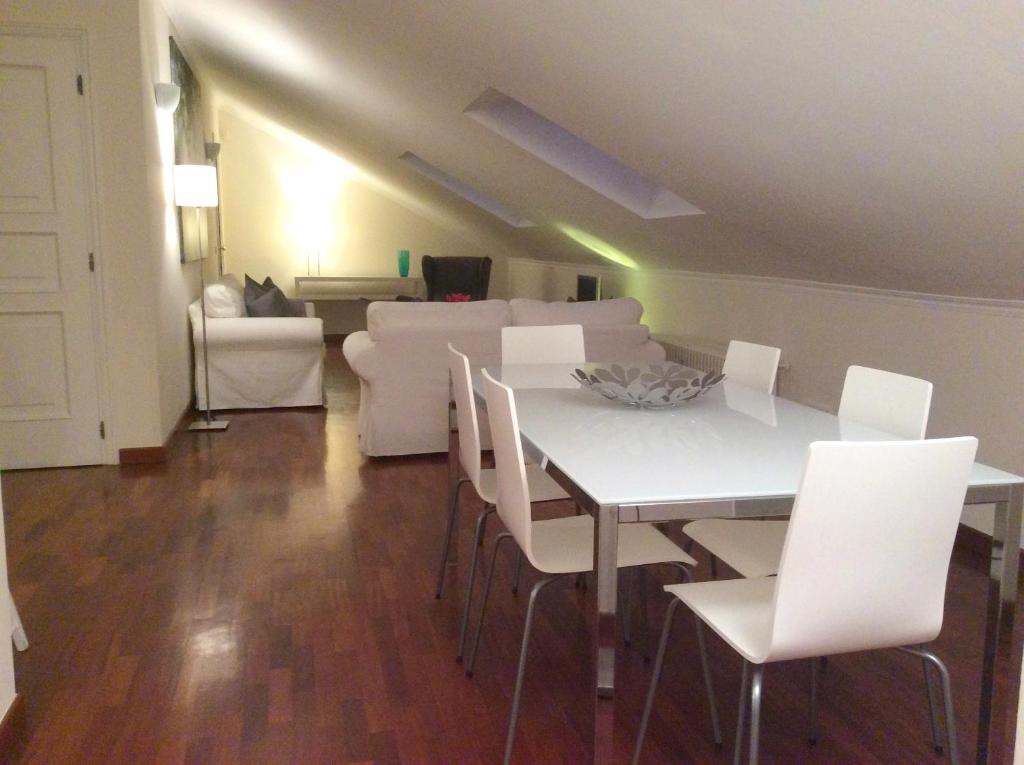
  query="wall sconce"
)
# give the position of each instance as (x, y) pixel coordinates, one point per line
(167, 96)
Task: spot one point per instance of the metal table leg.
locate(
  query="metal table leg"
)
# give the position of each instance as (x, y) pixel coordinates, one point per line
(998, 703)
(606, 543)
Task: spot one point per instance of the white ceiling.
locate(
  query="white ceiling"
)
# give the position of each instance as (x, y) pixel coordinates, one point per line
(876, 143)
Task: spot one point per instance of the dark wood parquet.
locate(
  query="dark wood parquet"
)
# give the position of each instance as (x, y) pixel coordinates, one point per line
(266, 596)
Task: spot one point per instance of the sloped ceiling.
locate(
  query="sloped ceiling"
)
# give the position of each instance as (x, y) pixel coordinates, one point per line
(874, 143)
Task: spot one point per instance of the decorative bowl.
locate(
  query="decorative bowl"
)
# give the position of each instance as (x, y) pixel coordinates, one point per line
(647, 386)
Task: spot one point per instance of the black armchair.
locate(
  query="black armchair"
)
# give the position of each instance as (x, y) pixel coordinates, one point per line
(446, 276)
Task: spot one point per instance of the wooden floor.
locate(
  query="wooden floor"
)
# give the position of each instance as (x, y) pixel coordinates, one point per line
(267, 596)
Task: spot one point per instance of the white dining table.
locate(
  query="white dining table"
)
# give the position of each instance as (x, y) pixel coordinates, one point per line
(733, 452)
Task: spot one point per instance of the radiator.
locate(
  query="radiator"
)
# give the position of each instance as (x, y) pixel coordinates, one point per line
(694, 352)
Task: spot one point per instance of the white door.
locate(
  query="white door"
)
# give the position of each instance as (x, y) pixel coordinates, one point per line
(49, 405)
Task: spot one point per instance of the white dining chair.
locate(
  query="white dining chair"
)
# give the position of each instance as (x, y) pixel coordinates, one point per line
(559, 546)
(887, 510)
(542, 488)
(545, 344)
(886, 401)
(752, 365)
(550, 344)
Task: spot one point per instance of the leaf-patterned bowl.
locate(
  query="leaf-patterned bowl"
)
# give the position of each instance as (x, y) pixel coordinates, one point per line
(648, 386)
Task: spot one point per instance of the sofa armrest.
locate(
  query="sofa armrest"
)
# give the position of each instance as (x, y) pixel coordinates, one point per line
(358, 352)
(262, 333)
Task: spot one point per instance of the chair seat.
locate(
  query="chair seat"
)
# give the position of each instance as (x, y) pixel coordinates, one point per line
(752, 548)
(542, 486)
(566, 546)
(739, 610)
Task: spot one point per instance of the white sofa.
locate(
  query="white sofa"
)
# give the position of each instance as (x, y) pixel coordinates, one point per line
(256, 362)
(402, 364)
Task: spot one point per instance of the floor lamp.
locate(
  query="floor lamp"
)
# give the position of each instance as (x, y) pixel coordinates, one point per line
(196, 186)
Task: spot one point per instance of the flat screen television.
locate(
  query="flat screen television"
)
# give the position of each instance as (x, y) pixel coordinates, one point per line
(588, 287)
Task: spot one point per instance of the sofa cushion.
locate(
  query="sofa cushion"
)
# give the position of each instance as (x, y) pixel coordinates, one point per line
(603, 313)
(626, 343)
(224, 299)
(385, 316)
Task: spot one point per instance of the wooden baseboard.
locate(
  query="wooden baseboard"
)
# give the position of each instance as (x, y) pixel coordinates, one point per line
(13, 729)
(142, 455)
(154, 455)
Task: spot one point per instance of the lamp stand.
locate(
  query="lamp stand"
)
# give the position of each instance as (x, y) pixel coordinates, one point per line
(209, 423)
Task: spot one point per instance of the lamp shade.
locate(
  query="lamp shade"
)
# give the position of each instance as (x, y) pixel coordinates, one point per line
(195, 185)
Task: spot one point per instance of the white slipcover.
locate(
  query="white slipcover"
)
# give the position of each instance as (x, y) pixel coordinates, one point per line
(259, 362)
(402, 362)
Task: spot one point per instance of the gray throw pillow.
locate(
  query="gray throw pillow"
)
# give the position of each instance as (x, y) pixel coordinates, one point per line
(253, 289)
(267, 299)
(270, 303)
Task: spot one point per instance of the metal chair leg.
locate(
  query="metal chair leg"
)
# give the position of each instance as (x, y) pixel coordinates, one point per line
(481, 526)
(453, 510)
(947, 699)
(513, 717)
(741, 714)
(812, 712)
(17, 628)
(933, 712)
(709, 683)
(483, 606)
(518, 571)
(655, 676)
(755, 713)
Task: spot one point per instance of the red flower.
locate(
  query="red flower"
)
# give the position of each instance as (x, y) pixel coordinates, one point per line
(457, 297)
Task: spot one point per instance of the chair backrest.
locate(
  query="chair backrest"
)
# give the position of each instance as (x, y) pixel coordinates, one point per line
(513, 493)
(461, 275)
(868, 546)
(465, 412)
(550, 344)
(887, 401)
(752, 365)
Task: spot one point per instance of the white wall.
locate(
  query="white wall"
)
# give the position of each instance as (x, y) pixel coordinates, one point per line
(176, 284)
(146, 290)
(973, 351)
(287, 201)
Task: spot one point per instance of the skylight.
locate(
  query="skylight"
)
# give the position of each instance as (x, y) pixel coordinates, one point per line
(481, 200)
(572, 155)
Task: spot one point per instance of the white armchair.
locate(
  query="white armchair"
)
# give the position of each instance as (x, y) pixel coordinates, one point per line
(256, 362)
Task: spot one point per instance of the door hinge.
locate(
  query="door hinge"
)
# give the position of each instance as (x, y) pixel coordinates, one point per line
(81, 85)
(92, 262)
(103, 429)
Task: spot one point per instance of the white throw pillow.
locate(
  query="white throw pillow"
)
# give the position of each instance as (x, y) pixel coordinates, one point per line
(223, 302)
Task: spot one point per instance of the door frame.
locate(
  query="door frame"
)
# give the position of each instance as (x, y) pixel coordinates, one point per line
(79, 37)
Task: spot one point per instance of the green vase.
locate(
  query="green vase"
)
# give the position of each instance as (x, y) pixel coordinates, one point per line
(403, 262)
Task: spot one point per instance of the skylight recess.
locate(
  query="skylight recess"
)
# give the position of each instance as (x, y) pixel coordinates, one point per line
(481, 200)
(575, 157)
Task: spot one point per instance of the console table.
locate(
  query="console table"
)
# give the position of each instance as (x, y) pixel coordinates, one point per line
(341, 300)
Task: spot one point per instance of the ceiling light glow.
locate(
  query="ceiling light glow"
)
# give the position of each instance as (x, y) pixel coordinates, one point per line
(598, 246)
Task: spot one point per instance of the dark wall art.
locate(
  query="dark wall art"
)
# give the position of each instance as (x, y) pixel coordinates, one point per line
(189, 149)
